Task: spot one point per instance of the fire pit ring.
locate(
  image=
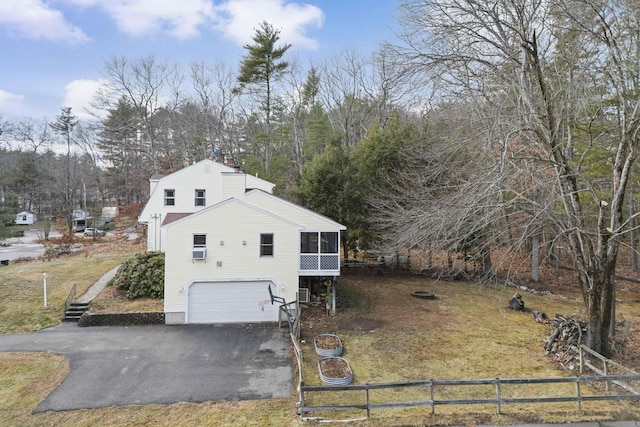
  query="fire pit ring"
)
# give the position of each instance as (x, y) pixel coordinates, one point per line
(423, 294)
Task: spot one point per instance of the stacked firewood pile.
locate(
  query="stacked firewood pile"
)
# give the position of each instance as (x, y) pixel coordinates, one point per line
(567, 335)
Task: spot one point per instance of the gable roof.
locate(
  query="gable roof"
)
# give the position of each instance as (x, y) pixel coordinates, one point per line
(251, 180)
(295, 206)
(230, 200)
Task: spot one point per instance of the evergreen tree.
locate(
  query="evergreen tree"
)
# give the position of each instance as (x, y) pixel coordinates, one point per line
(64, 125)
(260, 69)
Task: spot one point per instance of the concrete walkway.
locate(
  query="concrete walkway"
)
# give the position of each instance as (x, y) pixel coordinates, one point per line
(97, 287)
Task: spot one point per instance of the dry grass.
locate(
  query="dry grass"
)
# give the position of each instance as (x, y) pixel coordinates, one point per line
(466, 333)
(22, 288)
(112, 300)
(26, 379)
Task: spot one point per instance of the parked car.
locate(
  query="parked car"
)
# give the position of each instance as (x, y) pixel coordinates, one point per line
(94, 231)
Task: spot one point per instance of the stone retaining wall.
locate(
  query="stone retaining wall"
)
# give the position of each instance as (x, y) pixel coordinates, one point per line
(122, 319)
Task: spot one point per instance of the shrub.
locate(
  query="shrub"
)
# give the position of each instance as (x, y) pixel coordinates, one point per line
(141, 276)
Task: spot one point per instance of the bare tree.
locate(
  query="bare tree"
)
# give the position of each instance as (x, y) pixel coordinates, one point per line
(552, 82)
(216, 99)
(30, 133)
(154, 90)
(357, 91)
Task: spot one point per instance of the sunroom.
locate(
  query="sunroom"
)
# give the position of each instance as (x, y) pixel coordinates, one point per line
(319, 253)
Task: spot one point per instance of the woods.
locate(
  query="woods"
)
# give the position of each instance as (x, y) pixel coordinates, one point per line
(547, 92)
(510, 126)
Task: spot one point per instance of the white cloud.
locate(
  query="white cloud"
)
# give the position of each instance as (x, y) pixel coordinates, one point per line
(181, 18)
(238, 20)
(78, 96)
(9, 101)
(36, 20)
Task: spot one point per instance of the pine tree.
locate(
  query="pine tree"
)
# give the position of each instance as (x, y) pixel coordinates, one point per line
(64, 125)
(260, 69)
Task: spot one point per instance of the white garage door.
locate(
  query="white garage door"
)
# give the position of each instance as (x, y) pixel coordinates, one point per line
(231, 302)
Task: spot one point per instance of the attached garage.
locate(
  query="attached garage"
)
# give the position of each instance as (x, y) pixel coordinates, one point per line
(230, 302)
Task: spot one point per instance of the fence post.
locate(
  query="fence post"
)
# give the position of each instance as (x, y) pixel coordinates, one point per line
(578, 395)
(606, 372)
(368, 409)
(581, 358)
(499, 407)
(433, 406)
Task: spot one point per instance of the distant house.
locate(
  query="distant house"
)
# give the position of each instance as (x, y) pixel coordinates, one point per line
(228, 240)
(26, 218)
(81, 220)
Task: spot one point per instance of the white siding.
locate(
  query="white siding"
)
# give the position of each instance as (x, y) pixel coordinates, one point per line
(238, 226)
(25, 218)
(234, 185)
(205, 175)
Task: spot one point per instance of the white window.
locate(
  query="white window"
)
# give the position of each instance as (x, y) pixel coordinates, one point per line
(169, 197)
(200, 198)
(199, 246)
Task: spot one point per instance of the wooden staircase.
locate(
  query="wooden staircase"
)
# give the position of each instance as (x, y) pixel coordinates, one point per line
(75, 310)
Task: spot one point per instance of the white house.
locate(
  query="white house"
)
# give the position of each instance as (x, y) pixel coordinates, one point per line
(187, 191)
(26, 218)
(222, 258)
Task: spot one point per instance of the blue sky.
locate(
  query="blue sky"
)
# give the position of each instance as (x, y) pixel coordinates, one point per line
(53, 51)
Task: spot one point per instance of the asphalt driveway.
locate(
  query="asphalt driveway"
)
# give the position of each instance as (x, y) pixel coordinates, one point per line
(138, 365)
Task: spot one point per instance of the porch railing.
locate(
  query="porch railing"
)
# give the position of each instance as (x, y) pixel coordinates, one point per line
(316, 262)
(70, 297)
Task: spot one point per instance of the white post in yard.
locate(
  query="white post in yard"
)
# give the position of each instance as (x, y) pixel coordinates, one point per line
(44, 278)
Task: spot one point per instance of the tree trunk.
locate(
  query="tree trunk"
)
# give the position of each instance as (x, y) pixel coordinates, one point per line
(47, 229)
(535, 251)
(600, 315)
(632, 236)
(487, 266)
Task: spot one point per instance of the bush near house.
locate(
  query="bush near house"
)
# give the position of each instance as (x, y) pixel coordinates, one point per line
(141, 276)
